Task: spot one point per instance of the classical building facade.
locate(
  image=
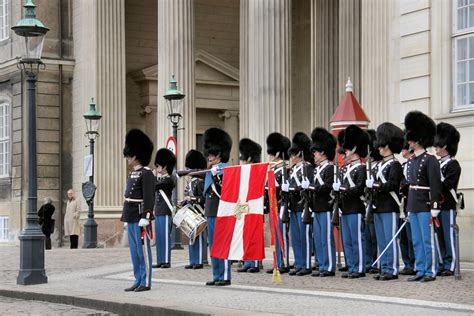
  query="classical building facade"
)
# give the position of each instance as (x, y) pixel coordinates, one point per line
(250, 67)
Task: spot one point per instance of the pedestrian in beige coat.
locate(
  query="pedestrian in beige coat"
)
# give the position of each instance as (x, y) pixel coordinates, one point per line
(72, 227)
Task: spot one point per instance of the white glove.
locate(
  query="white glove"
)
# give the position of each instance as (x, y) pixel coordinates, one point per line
(435, 213)
(285, 187)
(369, 183)
(143, 222)
(305, 183)
(340, 212)
(402, 215)
(215, 170)
(125, 225)
(336, 186)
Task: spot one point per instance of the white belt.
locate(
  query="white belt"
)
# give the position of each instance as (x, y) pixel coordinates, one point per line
(419, 187)
(134, 200)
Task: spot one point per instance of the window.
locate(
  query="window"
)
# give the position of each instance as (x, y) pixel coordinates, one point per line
(463, 55)
(4, 139)
(4, 20)
(3, 228)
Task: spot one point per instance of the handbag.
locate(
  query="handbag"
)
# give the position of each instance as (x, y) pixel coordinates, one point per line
(52, 225)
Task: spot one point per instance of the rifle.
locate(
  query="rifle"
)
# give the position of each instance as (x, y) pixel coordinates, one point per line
(335, 205)
(192, 172)
(306, 217)
(285, 218)
(369, 193)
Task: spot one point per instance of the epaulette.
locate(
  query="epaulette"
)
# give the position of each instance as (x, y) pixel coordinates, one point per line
(147, 168)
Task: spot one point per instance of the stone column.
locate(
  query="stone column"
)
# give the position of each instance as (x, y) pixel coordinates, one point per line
(110, 168)
(349, 44)
(176, 57)
(325, 95)
(266, 91)
(231, 125)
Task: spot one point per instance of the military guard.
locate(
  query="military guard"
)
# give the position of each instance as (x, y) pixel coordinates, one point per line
(164, 162)
(373, 162)
(406, 243)
(424, 195)
(324, 150)
(138, 206)
(250, 152)
(387, 199)
(277, 150)
(193, 195)
(217, 146)
(351, 186)
(446, 146)
(302, 172)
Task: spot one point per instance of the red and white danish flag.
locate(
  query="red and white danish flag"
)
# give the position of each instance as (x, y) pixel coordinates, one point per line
(238, 234)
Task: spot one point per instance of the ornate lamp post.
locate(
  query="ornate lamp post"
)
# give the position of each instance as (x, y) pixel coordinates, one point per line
(92, 118)
(31, 238)
(174, 99)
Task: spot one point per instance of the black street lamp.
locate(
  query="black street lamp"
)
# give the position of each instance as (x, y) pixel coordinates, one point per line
(174, 99)
(92, 118)
(31, 238)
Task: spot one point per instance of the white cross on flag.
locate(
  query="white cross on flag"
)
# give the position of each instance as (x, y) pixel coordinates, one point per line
(238, 234)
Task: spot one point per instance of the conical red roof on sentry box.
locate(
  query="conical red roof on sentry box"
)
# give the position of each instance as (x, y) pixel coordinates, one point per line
(349, 110)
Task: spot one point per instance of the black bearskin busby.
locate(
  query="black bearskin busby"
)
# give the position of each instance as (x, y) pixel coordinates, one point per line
(195, 160)
(218, 143)
(165, 158)
(278, 144)
(355, 137)
(420, 128)
(447, 136)
(324, 142)
(374, 150)
(390, 135)
(138, 145)
(301, 143)
(340, 141)
(250, 151)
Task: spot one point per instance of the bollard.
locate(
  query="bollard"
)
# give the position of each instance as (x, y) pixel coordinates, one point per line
(457, 271)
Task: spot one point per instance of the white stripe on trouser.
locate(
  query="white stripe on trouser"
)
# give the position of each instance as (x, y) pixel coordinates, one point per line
(226, 264)
(146, 256)
(451, 234)
(394, 244)
(432, 249)
(285, 246)
(308, 247)
(328, 224)
(200, 249)
(359, 240)
(166, 240)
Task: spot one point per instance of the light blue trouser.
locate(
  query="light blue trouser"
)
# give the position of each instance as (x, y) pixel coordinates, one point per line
(353, 241)
(447, 240)
(220, 267)
(195, 250)
(406, 247)
(163, 238)
(251, 263)
(324, 241)
(370, 244)
(426, 252)
(386, 226)
(301, 241)
(141, 267)
(284, 236)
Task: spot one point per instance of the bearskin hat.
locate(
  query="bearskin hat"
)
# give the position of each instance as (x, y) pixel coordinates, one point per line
(355, 137)
(278, 144)
(217, 142)
(250, 151)
(165, 158)
(301, 143)
(323, 141)
(420, 128)
(374, 151)
(447, 136)
(340, 141)
(390, 135)
(195, 160)
(138, 145)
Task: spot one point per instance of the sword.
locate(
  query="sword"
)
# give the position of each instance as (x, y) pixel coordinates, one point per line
(390, 243)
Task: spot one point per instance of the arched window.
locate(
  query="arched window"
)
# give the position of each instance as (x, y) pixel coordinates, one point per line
(4, 139)
(4, 20)
(463, 55)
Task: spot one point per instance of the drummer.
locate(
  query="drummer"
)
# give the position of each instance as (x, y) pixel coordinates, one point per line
(164, 163)
(250, 152)
(193, 195)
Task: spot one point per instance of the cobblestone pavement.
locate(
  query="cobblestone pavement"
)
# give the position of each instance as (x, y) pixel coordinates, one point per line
(13, 306)
(104, 273)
